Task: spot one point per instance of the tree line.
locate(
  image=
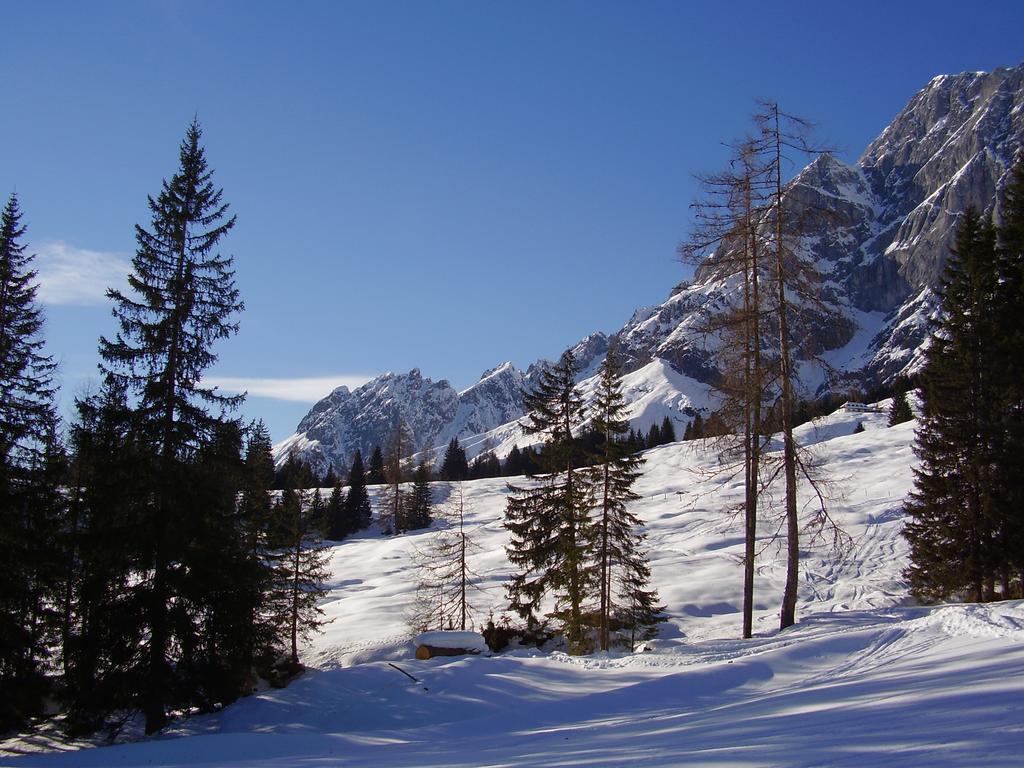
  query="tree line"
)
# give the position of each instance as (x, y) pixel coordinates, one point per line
(456, 466)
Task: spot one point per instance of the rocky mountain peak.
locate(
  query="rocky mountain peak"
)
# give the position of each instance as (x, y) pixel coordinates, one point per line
(950, 148)
(878, 233)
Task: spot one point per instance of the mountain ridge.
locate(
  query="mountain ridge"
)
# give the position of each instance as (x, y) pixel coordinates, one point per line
(881, 250)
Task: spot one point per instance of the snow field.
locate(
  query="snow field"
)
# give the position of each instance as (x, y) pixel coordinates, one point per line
(864, 679)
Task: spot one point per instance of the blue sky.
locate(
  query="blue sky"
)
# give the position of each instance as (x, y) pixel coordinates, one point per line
(442, 185)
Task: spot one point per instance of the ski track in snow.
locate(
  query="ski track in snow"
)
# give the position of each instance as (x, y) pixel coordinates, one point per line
(864, 679)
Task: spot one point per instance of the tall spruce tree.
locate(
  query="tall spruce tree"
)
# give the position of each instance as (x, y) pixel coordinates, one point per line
(376, 474)
(357, 502)
(26, 374)
(255, 503)
(668, 430)
(223, 638)
(102, 633)
(1009, 317)
(965, 528)
(420, 503)
(954, 506)
(619, 538)
(338, 524)
(395, 498)
(181, 300)
(454, 466)
(513, 462)
(27, 421)
(899, 411)
(487, 464)
(552, 536)
(654, 436)
(253, 522)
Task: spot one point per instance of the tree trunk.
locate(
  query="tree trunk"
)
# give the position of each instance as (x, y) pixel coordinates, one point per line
(605, 580)
(295, 605)
(788, 614)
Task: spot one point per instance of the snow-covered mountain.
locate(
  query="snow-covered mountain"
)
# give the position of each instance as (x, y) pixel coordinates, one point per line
(434, 412)
(880, 244)
(882, 238)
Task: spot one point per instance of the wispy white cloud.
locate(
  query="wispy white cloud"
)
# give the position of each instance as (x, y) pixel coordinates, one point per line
(76, 276)
(300, 390)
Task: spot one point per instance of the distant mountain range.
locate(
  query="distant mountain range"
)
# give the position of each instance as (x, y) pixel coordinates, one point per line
(881, 254)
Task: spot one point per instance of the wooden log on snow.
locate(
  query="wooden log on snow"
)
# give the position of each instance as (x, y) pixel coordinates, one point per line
(424, 652)
(449, 643)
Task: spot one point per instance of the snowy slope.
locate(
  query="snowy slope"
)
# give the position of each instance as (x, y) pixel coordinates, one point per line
(864, 679)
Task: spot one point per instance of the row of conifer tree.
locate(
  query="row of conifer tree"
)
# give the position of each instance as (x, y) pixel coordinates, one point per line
(573, 539)
(145, 566)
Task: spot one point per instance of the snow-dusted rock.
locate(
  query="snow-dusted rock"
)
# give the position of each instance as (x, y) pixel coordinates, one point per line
(880, 243)
(434, 412)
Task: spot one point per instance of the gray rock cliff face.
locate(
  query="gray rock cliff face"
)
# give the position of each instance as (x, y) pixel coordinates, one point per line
(878, 233)
(950, 148)
(434, 412)
(881, 238)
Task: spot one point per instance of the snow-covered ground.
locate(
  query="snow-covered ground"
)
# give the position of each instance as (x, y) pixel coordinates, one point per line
(864, 679)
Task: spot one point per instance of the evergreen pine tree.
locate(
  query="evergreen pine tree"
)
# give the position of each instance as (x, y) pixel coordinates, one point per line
(318, 511)
(395, 501)
(619, 538)
(513, 462)
(339, 525)
(697, 427)
(294, 472)
(1009, 319)
(953, 508)
(27, 422)
(357, 502)
(485, 465)
(225, 639)
(39, 562)
(654, 436)
(102, 634)
(668, 431)
(966, 531)
(26, 374)
(899, 411)
(531, 460)
(330, 478)
(182, 299)
(376, 474)
(454, 466)
(254, 515)
(255, 503)
(552, 537)
(420, 503)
